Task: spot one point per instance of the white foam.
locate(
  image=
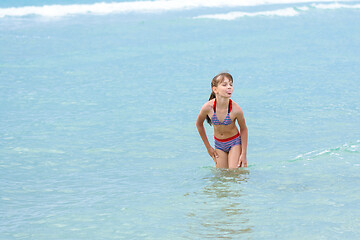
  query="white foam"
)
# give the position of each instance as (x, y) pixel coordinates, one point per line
(286, 12)
(302, 8)
(336, 152)
(138, 6)
(335, 6)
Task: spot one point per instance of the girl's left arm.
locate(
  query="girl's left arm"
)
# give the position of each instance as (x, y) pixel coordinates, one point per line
(244, 139)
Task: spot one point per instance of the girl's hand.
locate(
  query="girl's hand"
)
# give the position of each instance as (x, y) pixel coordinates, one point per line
(242, 161)
(213, 154)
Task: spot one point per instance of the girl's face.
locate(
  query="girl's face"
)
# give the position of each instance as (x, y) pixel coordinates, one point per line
(224, 88)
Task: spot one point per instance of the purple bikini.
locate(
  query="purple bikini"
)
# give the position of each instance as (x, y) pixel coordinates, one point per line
(225, 144)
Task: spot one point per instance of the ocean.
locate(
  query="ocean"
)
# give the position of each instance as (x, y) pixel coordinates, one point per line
(98, 108)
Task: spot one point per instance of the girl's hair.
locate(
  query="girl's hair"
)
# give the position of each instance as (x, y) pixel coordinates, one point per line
(214, 83)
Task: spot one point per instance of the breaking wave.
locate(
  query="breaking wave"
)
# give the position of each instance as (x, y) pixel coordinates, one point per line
(285, 12)
(103, 8)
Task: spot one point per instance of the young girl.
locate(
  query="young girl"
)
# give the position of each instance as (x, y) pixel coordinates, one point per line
(222, 112)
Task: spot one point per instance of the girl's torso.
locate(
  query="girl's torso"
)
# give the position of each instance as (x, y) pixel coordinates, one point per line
(223, 121)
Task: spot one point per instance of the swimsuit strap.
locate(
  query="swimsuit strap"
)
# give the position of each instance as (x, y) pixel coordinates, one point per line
(229, 108)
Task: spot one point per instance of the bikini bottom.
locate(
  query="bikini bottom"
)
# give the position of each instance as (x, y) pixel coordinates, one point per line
(226, 144)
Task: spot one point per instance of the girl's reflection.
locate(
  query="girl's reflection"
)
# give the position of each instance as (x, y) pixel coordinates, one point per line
(220, 208)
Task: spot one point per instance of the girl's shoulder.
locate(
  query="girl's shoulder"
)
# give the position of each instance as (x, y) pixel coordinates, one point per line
(208, 106)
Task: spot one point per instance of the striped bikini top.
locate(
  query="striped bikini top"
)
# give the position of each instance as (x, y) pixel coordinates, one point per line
(227, 120)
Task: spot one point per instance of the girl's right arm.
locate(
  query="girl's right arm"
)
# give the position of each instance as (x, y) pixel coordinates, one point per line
(201, 129)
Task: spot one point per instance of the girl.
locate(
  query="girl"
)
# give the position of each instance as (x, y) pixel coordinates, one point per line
(221, 111)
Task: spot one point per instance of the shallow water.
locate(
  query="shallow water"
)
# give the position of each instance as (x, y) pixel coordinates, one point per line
(98, 136)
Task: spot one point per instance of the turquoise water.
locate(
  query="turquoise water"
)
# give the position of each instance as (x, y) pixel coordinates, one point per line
(98, 136)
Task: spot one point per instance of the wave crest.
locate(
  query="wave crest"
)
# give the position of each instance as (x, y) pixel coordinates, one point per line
(285, 12)
(155, 6)
(338, 151)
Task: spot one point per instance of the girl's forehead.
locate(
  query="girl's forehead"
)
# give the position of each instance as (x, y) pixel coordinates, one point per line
(225, 79)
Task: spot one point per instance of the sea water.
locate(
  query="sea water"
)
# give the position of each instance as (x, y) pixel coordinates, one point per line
(98, 109)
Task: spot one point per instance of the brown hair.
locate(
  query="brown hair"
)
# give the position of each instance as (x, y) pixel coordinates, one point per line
(214, 83)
